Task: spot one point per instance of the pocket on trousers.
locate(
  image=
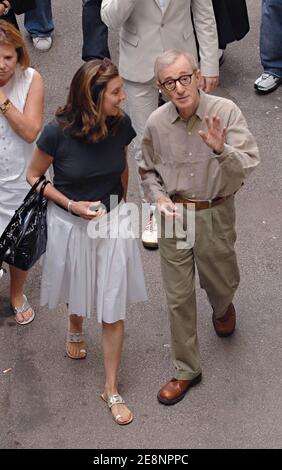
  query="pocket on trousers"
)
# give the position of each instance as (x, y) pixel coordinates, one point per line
(223, 222)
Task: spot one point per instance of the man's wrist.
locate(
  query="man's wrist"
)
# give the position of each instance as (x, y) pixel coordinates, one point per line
(219, 151)
(162, 198)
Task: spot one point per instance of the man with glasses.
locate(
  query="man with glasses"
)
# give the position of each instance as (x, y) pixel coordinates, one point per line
(147, 28)
(197, 151)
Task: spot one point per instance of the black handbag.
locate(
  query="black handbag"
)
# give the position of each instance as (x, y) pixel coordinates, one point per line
(24, 239)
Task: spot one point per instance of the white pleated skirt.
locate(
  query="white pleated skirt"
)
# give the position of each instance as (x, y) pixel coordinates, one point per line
(102, 273)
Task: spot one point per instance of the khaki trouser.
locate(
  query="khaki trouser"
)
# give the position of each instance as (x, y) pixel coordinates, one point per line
(214, 255)
(142, 100)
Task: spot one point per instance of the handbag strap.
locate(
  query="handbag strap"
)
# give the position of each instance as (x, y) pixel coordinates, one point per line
(43, 186)
(37, 182)
(33, 188)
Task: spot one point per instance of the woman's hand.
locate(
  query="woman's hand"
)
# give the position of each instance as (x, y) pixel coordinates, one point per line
(88, 210)
(4, 6)
(166, 207)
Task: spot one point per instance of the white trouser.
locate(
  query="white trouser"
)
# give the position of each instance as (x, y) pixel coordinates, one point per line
(142, 100)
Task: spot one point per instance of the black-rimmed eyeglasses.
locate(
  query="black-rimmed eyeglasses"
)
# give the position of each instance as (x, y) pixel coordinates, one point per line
(184, 80)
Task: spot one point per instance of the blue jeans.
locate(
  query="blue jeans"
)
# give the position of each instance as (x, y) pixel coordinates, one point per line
(95, 32)
(271, 37)
(39, 22)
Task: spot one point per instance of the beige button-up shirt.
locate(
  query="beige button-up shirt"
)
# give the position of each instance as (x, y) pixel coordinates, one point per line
(177, 161)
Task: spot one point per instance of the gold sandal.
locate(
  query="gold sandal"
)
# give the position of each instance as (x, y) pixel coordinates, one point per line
(76, 338)
(116, 399)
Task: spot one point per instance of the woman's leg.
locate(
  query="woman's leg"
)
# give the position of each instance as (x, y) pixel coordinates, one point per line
(18, 278)
(76, 346)
(112, 342)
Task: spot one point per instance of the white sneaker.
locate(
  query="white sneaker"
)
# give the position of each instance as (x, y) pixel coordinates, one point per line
(150, 234)
(42, 44)
(267, 83)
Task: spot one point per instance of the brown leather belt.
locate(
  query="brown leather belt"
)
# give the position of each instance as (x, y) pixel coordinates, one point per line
(199, 205)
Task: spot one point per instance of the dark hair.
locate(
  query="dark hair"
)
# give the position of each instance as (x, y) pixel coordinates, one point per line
(83, 112)
(10, 36)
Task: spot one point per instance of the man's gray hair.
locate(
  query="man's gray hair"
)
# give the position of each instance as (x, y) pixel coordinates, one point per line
(169, 57)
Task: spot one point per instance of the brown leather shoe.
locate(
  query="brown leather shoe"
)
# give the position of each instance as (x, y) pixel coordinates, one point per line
(174, 390)
(225, 325)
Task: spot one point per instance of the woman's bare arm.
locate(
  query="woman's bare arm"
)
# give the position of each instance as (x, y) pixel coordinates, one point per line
(28, 123)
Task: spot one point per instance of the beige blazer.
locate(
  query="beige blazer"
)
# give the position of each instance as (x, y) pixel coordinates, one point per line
(146, 32)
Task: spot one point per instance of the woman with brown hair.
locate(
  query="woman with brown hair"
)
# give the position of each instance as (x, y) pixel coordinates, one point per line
(87, 145)
(21, 112)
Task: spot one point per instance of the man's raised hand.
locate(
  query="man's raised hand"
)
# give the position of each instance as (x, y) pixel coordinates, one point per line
(215, 135)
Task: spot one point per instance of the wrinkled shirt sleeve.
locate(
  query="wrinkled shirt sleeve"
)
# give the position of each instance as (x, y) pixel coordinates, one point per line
(115, 12)
(151, 181)
(240, 155)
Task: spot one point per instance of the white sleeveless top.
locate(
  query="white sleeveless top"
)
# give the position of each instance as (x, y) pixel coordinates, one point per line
(15, 153)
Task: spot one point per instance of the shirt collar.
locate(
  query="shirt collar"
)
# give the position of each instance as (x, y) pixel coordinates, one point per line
(201, 111)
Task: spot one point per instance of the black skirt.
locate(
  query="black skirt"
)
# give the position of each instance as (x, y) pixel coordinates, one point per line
(11, 18)
(231, 19)
(22, 6)
(18, 7)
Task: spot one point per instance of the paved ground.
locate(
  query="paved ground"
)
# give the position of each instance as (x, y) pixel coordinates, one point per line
(49, 401)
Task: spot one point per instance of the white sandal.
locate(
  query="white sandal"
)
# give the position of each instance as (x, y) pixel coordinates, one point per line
(20, 310)
(117, 399)
(76, 338)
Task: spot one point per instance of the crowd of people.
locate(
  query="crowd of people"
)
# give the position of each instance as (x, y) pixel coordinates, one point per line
(194, 151)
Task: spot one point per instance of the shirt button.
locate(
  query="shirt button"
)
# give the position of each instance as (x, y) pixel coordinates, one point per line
(191, 174)
(189, 133)
(193, 195)
(190, 154)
